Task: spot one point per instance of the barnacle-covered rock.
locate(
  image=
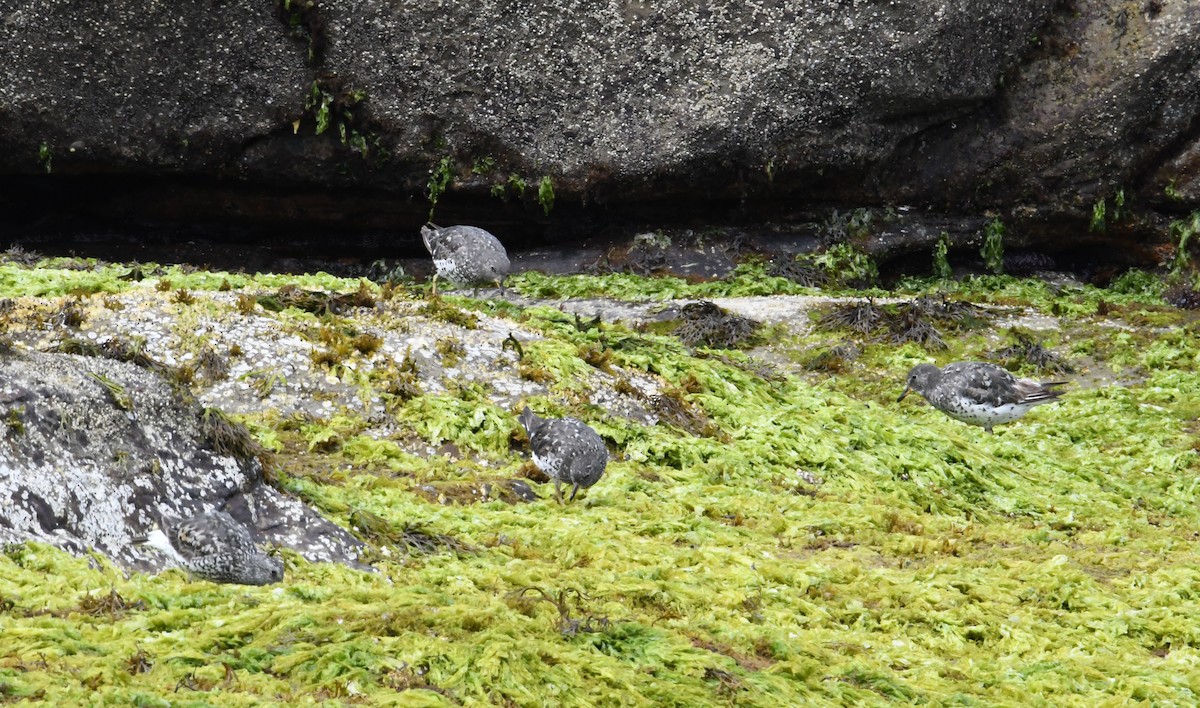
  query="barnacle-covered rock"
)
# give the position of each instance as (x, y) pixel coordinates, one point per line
(97, 452)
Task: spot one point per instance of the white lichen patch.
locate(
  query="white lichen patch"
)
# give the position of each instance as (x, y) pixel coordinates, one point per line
(98, 451)
(270, 354)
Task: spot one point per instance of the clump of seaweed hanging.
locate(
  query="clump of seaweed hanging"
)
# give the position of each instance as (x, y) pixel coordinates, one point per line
(835, 359)
(111, 605)
(582, 325)
(913, 322)
(318, 302)
(138, 272)
(916, 320)
(596, 355)
(226, 436)
(672, 409)
(367, 343)
(71, 315)
(441, 310)
(524, 601)
(387, 273)
(313, 301)
(19, 256)
(373, 528)
(131, 351)
(139, 663)
(704, 323)
(246, 303)
(950, 314)
(399, 384)
(1027, 350)
(452, 351)
(799, 269)
(861, 316)
(646, 254)
(1183, 296)
(649, 252)
(212, 364)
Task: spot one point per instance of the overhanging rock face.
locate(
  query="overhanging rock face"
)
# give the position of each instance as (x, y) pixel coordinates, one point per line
(142, 87)
(96, 451)
(955, 105)
(638, 89)
(585, 91)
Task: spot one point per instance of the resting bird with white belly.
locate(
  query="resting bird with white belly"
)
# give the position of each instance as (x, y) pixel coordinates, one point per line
(979, 393)
(567, 450)
(465, 255)
(215, 547)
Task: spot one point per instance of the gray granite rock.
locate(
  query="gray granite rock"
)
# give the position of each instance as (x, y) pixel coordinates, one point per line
(1032, 107)
(96, 452)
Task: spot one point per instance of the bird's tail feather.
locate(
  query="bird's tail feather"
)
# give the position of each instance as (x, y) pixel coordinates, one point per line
(158, 540)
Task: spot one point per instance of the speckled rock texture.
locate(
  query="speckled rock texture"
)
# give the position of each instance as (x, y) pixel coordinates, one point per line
(632, 89)
(143, 87)
(96, 451)
(1107, 98)
(1034, 106)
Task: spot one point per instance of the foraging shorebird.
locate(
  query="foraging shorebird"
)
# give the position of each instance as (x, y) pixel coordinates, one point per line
(465, 255)
(567, 450)
(978, 393)
(215, 547)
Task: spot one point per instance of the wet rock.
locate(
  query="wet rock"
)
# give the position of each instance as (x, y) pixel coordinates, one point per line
(1183, 297)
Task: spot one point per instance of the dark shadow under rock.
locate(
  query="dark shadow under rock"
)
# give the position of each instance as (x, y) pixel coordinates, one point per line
(97, 451)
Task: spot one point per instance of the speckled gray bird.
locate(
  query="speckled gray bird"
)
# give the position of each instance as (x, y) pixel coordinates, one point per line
(216, 547)
(465, 255)
(979, 393)
(567, 450)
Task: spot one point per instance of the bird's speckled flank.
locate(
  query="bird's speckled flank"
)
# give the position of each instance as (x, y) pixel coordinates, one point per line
(979, 393)
(465, 255)
(216, 547)
(567, 450)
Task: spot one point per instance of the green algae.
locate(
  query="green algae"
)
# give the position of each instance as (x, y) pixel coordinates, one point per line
(49, 278)
(830, 546)
(17, 280)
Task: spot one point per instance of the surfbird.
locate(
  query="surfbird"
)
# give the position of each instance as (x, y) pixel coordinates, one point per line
(979, 393)
(215, 547)
(567, 450)
(465, 255)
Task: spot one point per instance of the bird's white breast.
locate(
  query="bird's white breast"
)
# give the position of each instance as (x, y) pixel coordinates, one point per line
(973, 412)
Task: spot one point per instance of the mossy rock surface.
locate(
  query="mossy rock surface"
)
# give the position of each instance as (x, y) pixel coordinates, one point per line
(811, 542)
